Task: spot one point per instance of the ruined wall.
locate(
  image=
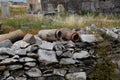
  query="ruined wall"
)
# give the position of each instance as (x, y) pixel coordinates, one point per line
(101, 6)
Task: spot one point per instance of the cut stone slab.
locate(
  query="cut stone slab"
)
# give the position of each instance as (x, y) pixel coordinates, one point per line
(34, 72)
(67, 61)
(26, 59)
(76, 76)
(88, 38)
(7, 51)
(15, 67)
(20, 44)
(81, 55)
(47, 45)
(6, 43)
(21, 52)
(29, 38)
(60, 72)
(47, 56)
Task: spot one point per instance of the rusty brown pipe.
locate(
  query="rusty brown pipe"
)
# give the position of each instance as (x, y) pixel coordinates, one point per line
(70, 35)
(13, 36)
(50, 35)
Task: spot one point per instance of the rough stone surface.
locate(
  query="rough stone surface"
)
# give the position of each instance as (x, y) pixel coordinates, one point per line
(81, 54)
(20, 44)
(88, 38)
(15, 67)
(76, 76)
(6, 51)
(67, 61)
(29, 38)
(47, 45)
(47, 56)
(34, 72)
(6, 43)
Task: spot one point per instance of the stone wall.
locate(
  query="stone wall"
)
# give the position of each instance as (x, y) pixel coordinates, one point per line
(101, 6)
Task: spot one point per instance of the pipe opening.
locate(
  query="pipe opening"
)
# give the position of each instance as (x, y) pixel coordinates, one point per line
(59, 35)
(75, 37)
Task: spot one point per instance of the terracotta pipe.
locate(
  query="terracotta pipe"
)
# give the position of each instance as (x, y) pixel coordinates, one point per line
(70, 35)
(50, 35)
(13, 36)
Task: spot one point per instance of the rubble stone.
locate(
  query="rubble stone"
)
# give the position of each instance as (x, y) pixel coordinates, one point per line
(7, 51)
(47, 45)
(76, 76)
(20, 44)
(88, 38)
(26, 59)
(29, 38)
(15, 67)
(34, 72)
(80, 55)
(6, 43)
(67, 61)
(47, 56)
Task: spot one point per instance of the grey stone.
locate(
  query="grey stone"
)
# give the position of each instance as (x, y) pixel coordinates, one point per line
(34, 72)
(29, 38)
(6, 74)
(26, 59)
(60, 72)
(30, 64)
(70, 44)
(6, 43)
(15, 67)
(47, 56)
(47, 45)
(67, 54)
(20, 78)
(20, 44)
(67, 61)
(88, 38)
(3, 57)
(38, 40)
(112, 34)
(58, 53)
(32, 48)
(33, 55)
(8, 61)
(21, 52)
(80, 55)
(76, 76)
(7, 51)
(10, 78)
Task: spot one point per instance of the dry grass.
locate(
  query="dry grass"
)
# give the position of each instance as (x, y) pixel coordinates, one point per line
(19, 17)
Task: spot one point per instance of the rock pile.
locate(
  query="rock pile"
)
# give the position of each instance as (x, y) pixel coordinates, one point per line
(34, 59)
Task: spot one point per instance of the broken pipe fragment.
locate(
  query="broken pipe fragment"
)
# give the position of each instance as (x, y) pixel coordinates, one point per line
(13, 36)
(50, 35)
(69, 35)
